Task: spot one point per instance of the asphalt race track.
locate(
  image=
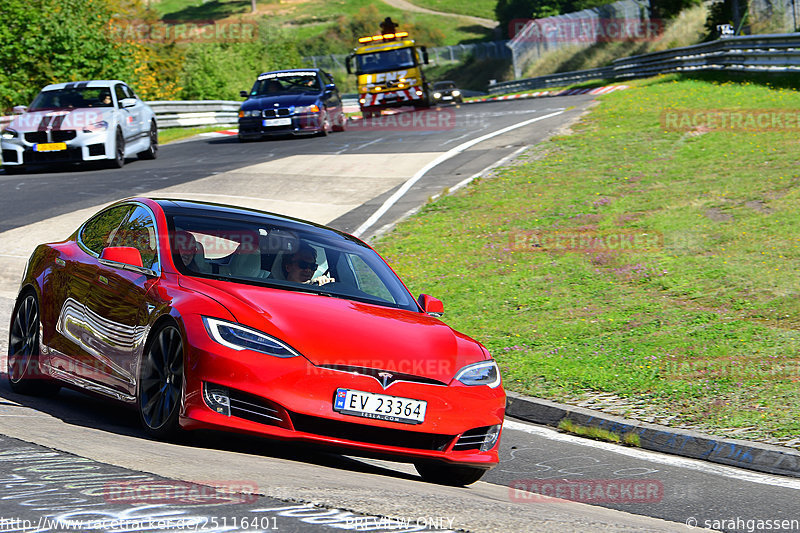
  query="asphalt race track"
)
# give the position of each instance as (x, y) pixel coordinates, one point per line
(64, 457)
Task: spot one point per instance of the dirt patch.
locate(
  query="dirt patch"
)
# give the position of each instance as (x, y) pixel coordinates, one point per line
(717, 215)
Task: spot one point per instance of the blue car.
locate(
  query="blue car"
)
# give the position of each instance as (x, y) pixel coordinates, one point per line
(291, 102)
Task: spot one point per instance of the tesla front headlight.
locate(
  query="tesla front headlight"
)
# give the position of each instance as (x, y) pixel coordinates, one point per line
(239, 337)
(483, 373)
(313, 108)
(9, 134)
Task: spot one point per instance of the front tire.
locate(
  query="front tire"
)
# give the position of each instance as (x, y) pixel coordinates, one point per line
(342, 125)
(24, 375)
(161, 383)
(119, 151)
(152, 150)
(325, 124)
(447, 474)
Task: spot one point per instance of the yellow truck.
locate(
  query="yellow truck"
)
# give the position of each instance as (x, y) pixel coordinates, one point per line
(389, 71)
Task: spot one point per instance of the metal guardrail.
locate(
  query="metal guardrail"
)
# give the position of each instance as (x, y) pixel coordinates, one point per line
(196, 113)
(188, 113)
(779, 53)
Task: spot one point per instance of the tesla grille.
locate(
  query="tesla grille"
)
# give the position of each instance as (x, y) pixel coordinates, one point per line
(256, 409)
(472, 439)
(376, 373)
(60, 136)
(36, 137)
(370, 434)
(10, 156)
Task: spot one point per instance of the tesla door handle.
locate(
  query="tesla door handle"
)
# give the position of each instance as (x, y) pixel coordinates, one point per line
(103, 280)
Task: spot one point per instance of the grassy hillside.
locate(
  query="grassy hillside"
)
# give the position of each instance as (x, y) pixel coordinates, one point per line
(311, 18)
(697, 323)
(475, 8)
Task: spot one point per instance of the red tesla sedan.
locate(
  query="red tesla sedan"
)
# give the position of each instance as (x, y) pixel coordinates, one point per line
(210, 316)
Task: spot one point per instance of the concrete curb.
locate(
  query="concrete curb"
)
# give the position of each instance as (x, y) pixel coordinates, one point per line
(732, 452)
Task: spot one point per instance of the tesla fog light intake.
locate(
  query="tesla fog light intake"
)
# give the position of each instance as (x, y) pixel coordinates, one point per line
(483, 373)
(217, 398)
(238, 337)
(491, 438)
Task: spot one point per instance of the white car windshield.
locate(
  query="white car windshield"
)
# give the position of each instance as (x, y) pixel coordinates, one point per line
(72, 98)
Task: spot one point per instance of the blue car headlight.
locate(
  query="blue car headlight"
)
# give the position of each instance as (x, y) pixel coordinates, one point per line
(483, 373)
(239, 337)
(313, 108)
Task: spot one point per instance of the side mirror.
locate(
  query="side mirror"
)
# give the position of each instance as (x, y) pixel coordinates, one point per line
(431, 305)
(126, 255)
(19, 109)
(425, 55)
(127, 102)
(330, 87)
(243, 94)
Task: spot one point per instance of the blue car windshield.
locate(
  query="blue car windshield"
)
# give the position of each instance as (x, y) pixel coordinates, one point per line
(277, 83)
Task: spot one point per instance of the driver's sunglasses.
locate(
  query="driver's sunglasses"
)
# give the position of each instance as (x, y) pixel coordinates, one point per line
(305, 265)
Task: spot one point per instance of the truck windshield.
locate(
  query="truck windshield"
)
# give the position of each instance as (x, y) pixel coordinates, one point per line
(385, 61)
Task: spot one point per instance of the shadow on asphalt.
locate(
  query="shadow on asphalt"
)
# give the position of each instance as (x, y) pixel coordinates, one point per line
(78, 409)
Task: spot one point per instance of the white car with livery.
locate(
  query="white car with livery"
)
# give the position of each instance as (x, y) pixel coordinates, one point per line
(99, 120)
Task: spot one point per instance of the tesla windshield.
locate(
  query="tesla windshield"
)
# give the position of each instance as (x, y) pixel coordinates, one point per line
(284, 255)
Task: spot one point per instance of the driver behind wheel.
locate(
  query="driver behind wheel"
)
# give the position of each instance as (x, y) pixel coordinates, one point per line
(300, 267)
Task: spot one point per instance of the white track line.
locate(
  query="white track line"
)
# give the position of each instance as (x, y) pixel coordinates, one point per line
(655, 457)
(442, 158)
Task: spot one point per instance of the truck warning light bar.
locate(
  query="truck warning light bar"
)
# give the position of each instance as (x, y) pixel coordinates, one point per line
(384, 37)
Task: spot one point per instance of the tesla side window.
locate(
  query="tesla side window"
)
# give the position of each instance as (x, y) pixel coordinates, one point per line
(98, 232)
(139, 231)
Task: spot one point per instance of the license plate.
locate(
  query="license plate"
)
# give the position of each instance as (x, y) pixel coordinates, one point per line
(277, 121)
(447, 97)
(49, 147)
(379, 406)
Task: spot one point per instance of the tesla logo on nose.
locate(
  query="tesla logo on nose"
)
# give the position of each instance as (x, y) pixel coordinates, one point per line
(385, 378)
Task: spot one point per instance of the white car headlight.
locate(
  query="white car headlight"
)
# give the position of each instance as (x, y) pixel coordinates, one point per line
(313, 108)
(97, 126)
(437, 95)
(9, 134)
(483, 373)
(456, 93)
(238, 337)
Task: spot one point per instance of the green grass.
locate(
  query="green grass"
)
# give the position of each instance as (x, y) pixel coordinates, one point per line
(176, 134)
(314, 17)
(567, 425)
(475, 8)
(702, 325)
